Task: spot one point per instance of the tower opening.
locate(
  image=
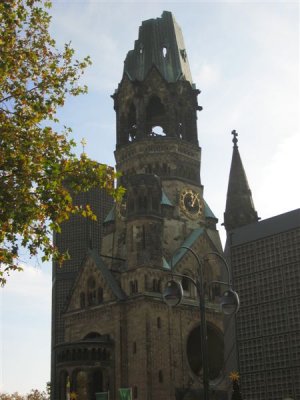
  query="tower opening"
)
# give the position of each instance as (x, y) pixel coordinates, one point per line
(157, 131)
(96, 383)
(156, 117)
(131, 123)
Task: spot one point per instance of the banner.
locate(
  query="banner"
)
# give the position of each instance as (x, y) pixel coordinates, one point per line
(102, 396)
(125, 394)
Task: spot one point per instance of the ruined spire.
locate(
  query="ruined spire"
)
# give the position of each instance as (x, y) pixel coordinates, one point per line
(240, 209)
(160, 44)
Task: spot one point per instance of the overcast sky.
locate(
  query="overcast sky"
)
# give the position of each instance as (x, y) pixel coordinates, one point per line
(244, 57)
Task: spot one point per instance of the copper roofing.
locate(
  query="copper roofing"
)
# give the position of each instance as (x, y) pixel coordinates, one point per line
(160, 43)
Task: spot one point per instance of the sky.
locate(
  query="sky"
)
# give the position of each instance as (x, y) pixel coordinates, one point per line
(244, 57)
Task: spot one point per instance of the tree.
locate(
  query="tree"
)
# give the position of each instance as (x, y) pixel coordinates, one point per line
(13, 396)
(37, 395)
(33, 395)
(36, 157)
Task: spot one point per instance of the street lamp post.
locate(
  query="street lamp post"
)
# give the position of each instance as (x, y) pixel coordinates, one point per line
(173, 295)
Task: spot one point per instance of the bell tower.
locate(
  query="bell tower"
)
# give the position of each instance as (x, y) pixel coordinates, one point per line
(157, 89)
(158, 156)
(117, 324)
(157, 150)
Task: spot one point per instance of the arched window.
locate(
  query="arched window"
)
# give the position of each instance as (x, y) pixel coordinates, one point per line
(91, 291)
(215, 291)
(146, 282)
(64, 385)
(131, 287)
(131, 124)
(154, 285)
(155, 202)
(134, 287)
(81, 384)
(82, 300)
(158, 322)
(155, 117)
(92, 335)
(160, 376)
(100, 295)
(188, 289)
(185, 283)
(142, 202)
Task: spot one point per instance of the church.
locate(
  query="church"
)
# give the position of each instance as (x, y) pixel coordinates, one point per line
(112, 332)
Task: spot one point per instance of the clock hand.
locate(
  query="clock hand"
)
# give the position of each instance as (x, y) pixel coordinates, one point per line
(194, 198)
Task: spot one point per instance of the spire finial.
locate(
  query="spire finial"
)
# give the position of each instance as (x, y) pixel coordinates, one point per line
(83, 144)
(234, 140)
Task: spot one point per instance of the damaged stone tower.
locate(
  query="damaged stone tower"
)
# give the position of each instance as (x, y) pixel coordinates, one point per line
(118, 332)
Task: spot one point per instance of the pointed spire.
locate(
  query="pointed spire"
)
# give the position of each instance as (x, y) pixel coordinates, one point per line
(240, 209)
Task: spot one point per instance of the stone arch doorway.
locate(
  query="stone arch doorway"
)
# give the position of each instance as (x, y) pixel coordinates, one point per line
(81, 385)
(64, 385)
(96, 383)
(88, 383)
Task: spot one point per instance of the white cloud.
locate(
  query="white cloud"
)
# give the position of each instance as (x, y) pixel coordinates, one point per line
(207, 74)
(26, 329)
(277, 190)
(30, 283)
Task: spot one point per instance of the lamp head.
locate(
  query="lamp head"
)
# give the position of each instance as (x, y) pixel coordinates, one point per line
(172, 293)
(230, 302)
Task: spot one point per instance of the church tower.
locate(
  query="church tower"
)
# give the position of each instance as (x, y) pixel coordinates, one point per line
(119, 333)
(239, 209)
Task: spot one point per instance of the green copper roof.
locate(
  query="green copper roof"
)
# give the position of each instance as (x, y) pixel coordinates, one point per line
(166, 265)
(160, 43)
(207, 211)
(189, 241)
(108, 276)
(111, 215)
(164, 200)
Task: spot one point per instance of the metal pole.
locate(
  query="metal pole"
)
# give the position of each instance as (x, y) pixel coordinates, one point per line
(203, 329)
(224, 262)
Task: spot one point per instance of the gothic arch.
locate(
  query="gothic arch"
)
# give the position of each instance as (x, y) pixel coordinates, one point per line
(64, 384)
(92, 335)
(156, 116)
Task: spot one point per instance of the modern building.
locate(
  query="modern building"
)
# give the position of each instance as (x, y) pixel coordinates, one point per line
(265, 261)
(78, 236)
(111, 328)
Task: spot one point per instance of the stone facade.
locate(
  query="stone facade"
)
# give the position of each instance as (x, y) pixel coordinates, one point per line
(118, 332)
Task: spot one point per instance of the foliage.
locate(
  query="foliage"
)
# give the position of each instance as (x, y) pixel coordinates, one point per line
(36, 161)
(14, 396)
(33, 395)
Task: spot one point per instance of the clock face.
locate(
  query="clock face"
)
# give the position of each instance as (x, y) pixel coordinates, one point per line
(190, 203)
(121, 208)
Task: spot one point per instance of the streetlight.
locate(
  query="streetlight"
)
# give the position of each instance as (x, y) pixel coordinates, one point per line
(230, 303)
